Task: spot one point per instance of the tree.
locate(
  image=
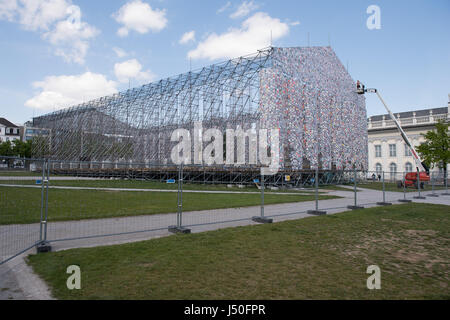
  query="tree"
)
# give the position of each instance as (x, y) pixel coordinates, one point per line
(6, 149)
(436, 148)
(22, 149)
(16, 148)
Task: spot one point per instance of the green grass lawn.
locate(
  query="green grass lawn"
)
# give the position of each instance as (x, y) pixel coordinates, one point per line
(391, 186)
(136, 184)
(22, 205)
(323, 257)
(20, 173)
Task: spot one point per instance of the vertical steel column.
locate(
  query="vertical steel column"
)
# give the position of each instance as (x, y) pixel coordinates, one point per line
(261, 218)
(180, 196)
(178, 228)
(262, 195)
(316, 180)
(433, 194)
(418, 181)
(404, 186)
(46, 200)
(446, 183)
(432, 182)
(354, 187)
(41, 225)
(384, 203)
(355, 206)
(418, 185)
(317, 211)
(43, 245)
(404, 189)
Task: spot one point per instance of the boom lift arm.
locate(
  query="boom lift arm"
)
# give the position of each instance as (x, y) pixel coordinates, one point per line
(419, 163)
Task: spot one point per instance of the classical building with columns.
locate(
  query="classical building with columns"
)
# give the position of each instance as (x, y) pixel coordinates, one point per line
(387, 150)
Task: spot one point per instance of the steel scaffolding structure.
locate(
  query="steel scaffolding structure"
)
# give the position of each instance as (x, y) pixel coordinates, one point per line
(306, 93)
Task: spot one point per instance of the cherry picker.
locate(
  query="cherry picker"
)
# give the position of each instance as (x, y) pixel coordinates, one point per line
(411, 179)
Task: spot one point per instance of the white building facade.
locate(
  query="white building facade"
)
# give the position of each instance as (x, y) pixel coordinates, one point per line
(8, 131)
(28, 132)
(387, 150)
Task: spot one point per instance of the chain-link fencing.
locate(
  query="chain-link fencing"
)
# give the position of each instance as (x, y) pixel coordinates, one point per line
(45, 202)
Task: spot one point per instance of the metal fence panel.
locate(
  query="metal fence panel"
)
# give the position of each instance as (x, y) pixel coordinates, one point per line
(57, 201)
(110, 204)
(22, 190)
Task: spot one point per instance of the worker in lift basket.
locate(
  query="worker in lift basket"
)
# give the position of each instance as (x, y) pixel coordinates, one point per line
(359, 86)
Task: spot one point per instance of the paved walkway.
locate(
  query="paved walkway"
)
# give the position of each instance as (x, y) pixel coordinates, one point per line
(156, 190)
(138, 228)
(19, 282)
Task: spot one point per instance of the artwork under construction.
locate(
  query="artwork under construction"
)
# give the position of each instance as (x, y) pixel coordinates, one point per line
(306, 93)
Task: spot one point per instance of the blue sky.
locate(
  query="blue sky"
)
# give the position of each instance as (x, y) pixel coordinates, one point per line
(58, 52)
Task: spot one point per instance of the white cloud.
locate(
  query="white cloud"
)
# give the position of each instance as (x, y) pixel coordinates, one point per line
(70, 36)
(244, 9)
(34, 14)
(120, 52)
(140, 17)
(295, 23)
(225, 7)
(132, 69)
(8, 9)
(188, 36)
(40, 14)
(58, 21)
(58, 92)
(254, 34)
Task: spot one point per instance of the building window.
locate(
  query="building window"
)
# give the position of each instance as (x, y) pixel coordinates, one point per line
(378, 168)
(392, 150)
(378, 151)
(393, 170)
(407, 151)
(408, 167)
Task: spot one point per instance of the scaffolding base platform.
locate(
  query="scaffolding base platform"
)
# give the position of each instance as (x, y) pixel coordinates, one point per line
(384, 203)
(404, 200)
(432, 195)
(419, 197)
(355, 207)
(262, 219)
(175, 229)
(445, 194)
(316, 212)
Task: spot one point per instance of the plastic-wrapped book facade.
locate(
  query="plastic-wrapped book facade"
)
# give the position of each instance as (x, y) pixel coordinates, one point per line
(306, 92)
